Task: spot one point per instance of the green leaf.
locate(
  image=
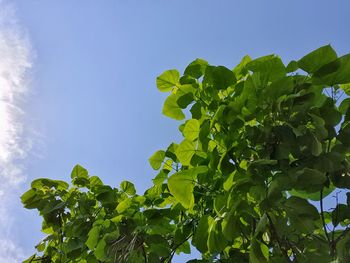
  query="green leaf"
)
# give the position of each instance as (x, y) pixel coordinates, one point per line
(185, 151)
(95, 181)
(316, 146)
(343, 249)
(157, 159)
(184, 248)
(240, 70)
(317, 58)
(312, 196)
(160, 249)
(262, 225)
(196, 111)
(229, 182)
(292, 66)
(329, 113)
(160, 178)
(196, 68)
(181, 185)
(310, 180)
(100, 250)
(220, 204)
(225, 165)
(140, 199)
(340, 214)
(279, 88)
(44, 182)
(219, 77)
(344, 105)
(279, 183)
(168, 80)
(344, 135)
(72, 244)
(336, 72)
(56, 205)
(171, 109)
(124, 205)
(270, 67)
(200, 238)
(191, 129)
(80, 176)
(28, 196)
(93, 237)
(320, 128)
(341, 179)
(185, 95)
(112, 236)
(230, 227)
(346, 88)
(301, 207)
(33, 199)
(216, 240)
(79, 172)
(128, 187)
(258, 252)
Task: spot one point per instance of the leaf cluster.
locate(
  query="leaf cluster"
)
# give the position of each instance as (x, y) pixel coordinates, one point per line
(264, 145)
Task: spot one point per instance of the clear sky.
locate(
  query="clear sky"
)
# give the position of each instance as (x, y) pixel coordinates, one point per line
(92, 97)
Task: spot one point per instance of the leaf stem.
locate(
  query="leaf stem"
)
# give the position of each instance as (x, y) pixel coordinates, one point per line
(322, 217)
(171, 255)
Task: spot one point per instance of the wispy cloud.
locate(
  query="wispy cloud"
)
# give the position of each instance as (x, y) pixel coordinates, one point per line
(15, 63)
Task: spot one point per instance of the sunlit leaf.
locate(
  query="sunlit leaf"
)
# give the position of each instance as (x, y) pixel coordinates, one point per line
(185, 151)
(128, 187)
(317, 58)
(168, 80)
(191, 129)
(171, 109)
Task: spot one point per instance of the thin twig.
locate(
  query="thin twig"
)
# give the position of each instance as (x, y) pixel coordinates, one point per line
(171, 255)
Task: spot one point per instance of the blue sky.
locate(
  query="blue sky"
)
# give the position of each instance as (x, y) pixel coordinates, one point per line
(92, 97)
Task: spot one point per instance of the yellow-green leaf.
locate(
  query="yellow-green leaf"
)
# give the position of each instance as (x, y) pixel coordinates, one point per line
(191, 129)
(167, 80)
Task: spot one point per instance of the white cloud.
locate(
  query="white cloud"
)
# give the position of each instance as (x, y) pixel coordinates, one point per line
(15, 62)
(11, 254)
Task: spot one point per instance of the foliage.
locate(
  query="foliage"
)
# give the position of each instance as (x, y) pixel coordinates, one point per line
(265, 144)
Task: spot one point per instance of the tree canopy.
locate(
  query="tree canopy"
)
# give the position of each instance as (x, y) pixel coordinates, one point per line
(263, 145)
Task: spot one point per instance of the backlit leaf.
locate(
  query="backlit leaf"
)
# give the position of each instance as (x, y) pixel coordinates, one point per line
(191, 129)
(171, 109)
(128, 187)
(181, 185)
(157, 159)
(93, 237)
(79, 172)
(185, 151)
(168, 80)
(100, 250)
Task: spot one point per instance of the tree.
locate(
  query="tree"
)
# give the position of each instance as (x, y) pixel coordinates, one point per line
(264, 146)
